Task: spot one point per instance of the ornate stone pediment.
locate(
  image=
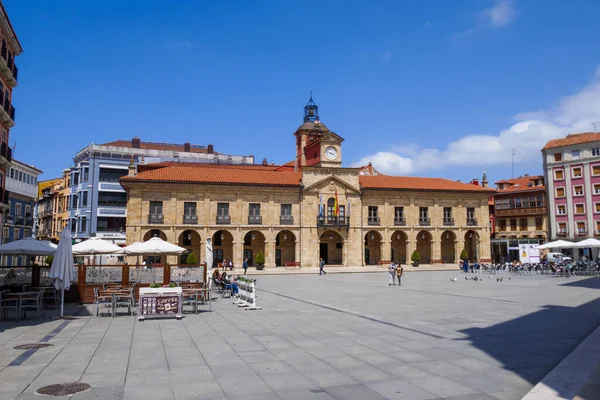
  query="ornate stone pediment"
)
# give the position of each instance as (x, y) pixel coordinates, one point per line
(330, 183)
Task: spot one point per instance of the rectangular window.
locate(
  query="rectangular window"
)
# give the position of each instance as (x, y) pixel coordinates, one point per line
(580, 227)
(12, 173)
(342, 211)
(502, 224)
(254, 209)
(5, 235)
(447, 213)
(83, 225)
(18, 210)
(84, 198)
(373, 212)
(513, 224)
(578, 190)
(557, 157)
(561, 209)
(595, 151)
(597, 207)
(222, 209)
(597, 227)
(579, 208)
(20, 176)
(189, 208)
(73, 225)
(423, 212)
(559, 174)
(286, 210)
(86, 174)
(576, 172)
(398, 212)
(560, 192)
(523, 224)
(595, 170)
(28, 211)
(470, 213)
(539, 223)
(112, 199)
(575, 154)
(562, 227)
(156, 208)
(518, 203)
(597, 189)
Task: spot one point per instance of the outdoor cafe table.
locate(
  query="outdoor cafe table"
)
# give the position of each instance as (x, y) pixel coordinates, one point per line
(20, 302)
(196, 292)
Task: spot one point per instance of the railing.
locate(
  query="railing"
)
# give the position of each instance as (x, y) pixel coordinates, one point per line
(223, 219)
(425, 221)
(20, 221)
(6, 152)
(190, 219)
(155, 218)
(581, 232)
(400, 221)
(520, 211)
(373, 221)
(286, 220)
(254, 219)
(448, 221)
(333, 221)
(471, 221)
(8, 108)
(561, 234)
(10, 63)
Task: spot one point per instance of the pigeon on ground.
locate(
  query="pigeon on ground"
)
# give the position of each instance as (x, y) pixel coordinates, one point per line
(500, 279)
(489, 277)
(454, 279)
(466, 279)
(497, 279)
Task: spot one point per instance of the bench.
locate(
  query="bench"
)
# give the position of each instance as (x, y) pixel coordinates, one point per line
(292, 264)
(384, 262)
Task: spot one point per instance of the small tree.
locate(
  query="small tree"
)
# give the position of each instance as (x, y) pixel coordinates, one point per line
(464, 255)
(49, 260)
(191, 259)
(260, 258)
(415, 257)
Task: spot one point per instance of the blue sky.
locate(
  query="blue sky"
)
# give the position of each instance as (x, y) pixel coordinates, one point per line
(428, 88)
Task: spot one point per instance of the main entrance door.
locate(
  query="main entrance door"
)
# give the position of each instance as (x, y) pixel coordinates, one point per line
(323, 252)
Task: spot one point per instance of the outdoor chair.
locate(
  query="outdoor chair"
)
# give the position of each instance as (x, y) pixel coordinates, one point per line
(8, 303)
(105, 299)
(51, 296)
(123, 299)
(35, 303)
(190, 299)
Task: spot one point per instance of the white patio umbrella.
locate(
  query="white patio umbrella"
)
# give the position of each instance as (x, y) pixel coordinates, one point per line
(62, 270)
(557, 244)
(94, 246)
(28, 247)
(209, 254)
(591, 242)
(153, 247)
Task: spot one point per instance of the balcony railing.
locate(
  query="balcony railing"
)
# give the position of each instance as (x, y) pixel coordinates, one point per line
(581, 232)
(8, 66)
(425, 221)
(286, 220)
(223, 219)
(5, 153)
(561, 234)
(254, 219)
(448, 221)
(7, 113)
(400, 221)
(471, 221)
(507, 212)
(155, 218)
(28, 221)
(191, 219)
(373, 221)
(20, 221)
(333, 221)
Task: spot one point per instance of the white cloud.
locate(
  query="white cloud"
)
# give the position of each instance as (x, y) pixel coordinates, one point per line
(502, 13)
(572, 114)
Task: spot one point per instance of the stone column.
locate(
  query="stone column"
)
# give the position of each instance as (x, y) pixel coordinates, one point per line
(269, 254)
(297, 251)
(238, 253)
(456, 251)
(436, 250)
(345, 252)
(386, 249)
(411, 246)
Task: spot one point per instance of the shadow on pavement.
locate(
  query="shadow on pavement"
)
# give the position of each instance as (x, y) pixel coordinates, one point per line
(589, 283)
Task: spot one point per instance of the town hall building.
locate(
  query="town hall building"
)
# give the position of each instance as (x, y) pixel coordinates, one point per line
(307, 209)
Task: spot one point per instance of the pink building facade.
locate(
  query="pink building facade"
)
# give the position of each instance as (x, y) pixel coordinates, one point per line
(572, 174)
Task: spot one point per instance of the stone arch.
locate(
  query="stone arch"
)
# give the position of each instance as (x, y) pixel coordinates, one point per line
(373, 242)
(448, 247)
(424, 239)
(149, 235)
(471, 245)
(331, 245)
(254, 242)
(222, 246)
(191, 240)
(399, 246)
(285, 248)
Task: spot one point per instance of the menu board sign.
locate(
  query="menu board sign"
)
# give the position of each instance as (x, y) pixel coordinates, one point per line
(160, 305)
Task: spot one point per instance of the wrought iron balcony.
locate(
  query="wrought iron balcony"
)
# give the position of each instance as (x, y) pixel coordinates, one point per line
(223, 219)
(581, 232)
(448, 221)
(190, 219)
(286, 220)
(7, 112)
(373, 221)
(471, 221)
(425, 221)
(155, 218)
(8, 67)
(20, 221)
(254, 219)
(561, 234)
(333, 221)
(28, 221)
(400, 221)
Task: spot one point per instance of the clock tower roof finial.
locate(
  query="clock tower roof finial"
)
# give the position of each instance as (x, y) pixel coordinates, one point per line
(311, 110)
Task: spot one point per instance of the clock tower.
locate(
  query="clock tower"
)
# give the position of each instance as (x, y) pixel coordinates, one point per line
(316, 145)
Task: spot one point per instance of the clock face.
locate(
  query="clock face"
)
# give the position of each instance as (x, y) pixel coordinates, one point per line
(331, 153)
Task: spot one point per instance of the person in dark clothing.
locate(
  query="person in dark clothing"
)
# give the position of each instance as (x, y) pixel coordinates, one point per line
(245, 265)
(321, 266)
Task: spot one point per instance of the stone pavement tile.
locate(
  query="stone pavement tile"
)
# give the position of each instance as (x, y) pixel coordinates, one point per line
(101, 393)
(315, 393)
(511, 394)
(406, 371)
(479, 396)
(367, 373)
(107, 378)
(198, 374)
(229, 370)
(440, 368)
(343, 362)
(158, 392)
(410, 356)
(514, 378)
(354, 392)
(193, 390)
(258, 356)
(480, 383)
(254, 396)
(140, 377)
(439, 354)
(325, 352)
(150, 362)
(243, 386)
(375, 358)
(442, 387)
(398, 389)
(588, 392)
(269, 368)
(474, 364)
(33, 396)
(329, 377)
(285, 381)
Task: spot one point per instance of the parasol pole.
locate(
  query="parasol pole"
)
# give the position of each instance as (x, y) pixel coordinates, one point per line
(62, 303)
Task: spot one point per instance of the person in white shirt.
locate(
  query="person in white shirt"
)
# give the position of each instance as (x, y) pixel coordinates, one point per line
(392, 271)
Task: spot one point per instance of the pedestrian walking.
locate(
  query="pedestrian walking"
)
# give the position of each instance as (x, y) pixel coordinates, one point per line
(399, 273)
(245, 265)
(321, 266)
(392, 271)
(466, 266)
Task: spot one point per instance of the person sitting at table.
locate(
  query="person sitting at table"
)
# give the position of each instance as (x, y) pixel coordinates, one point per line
(230, 265)
(228, 284)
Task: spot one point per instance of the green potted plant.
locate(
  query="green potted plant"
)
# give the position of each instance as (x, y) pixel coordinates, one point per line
(154, 285)
(464, 255)
(415, 258)
(191, 259)
(49, 260)
(260, 260)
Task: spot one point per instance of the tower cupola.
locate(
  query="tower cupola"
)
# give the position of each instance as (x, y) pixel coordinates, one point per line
(311, 110)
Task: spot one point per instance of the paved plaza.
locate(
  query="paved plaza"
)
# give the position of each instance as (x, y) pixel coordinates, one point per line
(342, 336)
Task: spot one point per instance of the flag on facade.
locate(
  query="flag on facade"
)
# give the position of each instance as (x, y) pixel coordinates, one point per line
(336, 207)
(321, 205)
(348, 212)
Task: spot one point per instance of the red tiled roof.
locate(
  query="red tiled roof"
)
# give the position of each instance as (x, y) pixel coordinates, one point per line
(198, 173)
(574, 138)
(521, 184)
(158, 146)
(413, 183)
(245, 167)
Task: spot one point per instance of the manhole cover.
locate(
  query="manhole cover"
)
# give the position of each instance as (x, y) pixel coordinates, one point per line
(32, 346)
(63, 389)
